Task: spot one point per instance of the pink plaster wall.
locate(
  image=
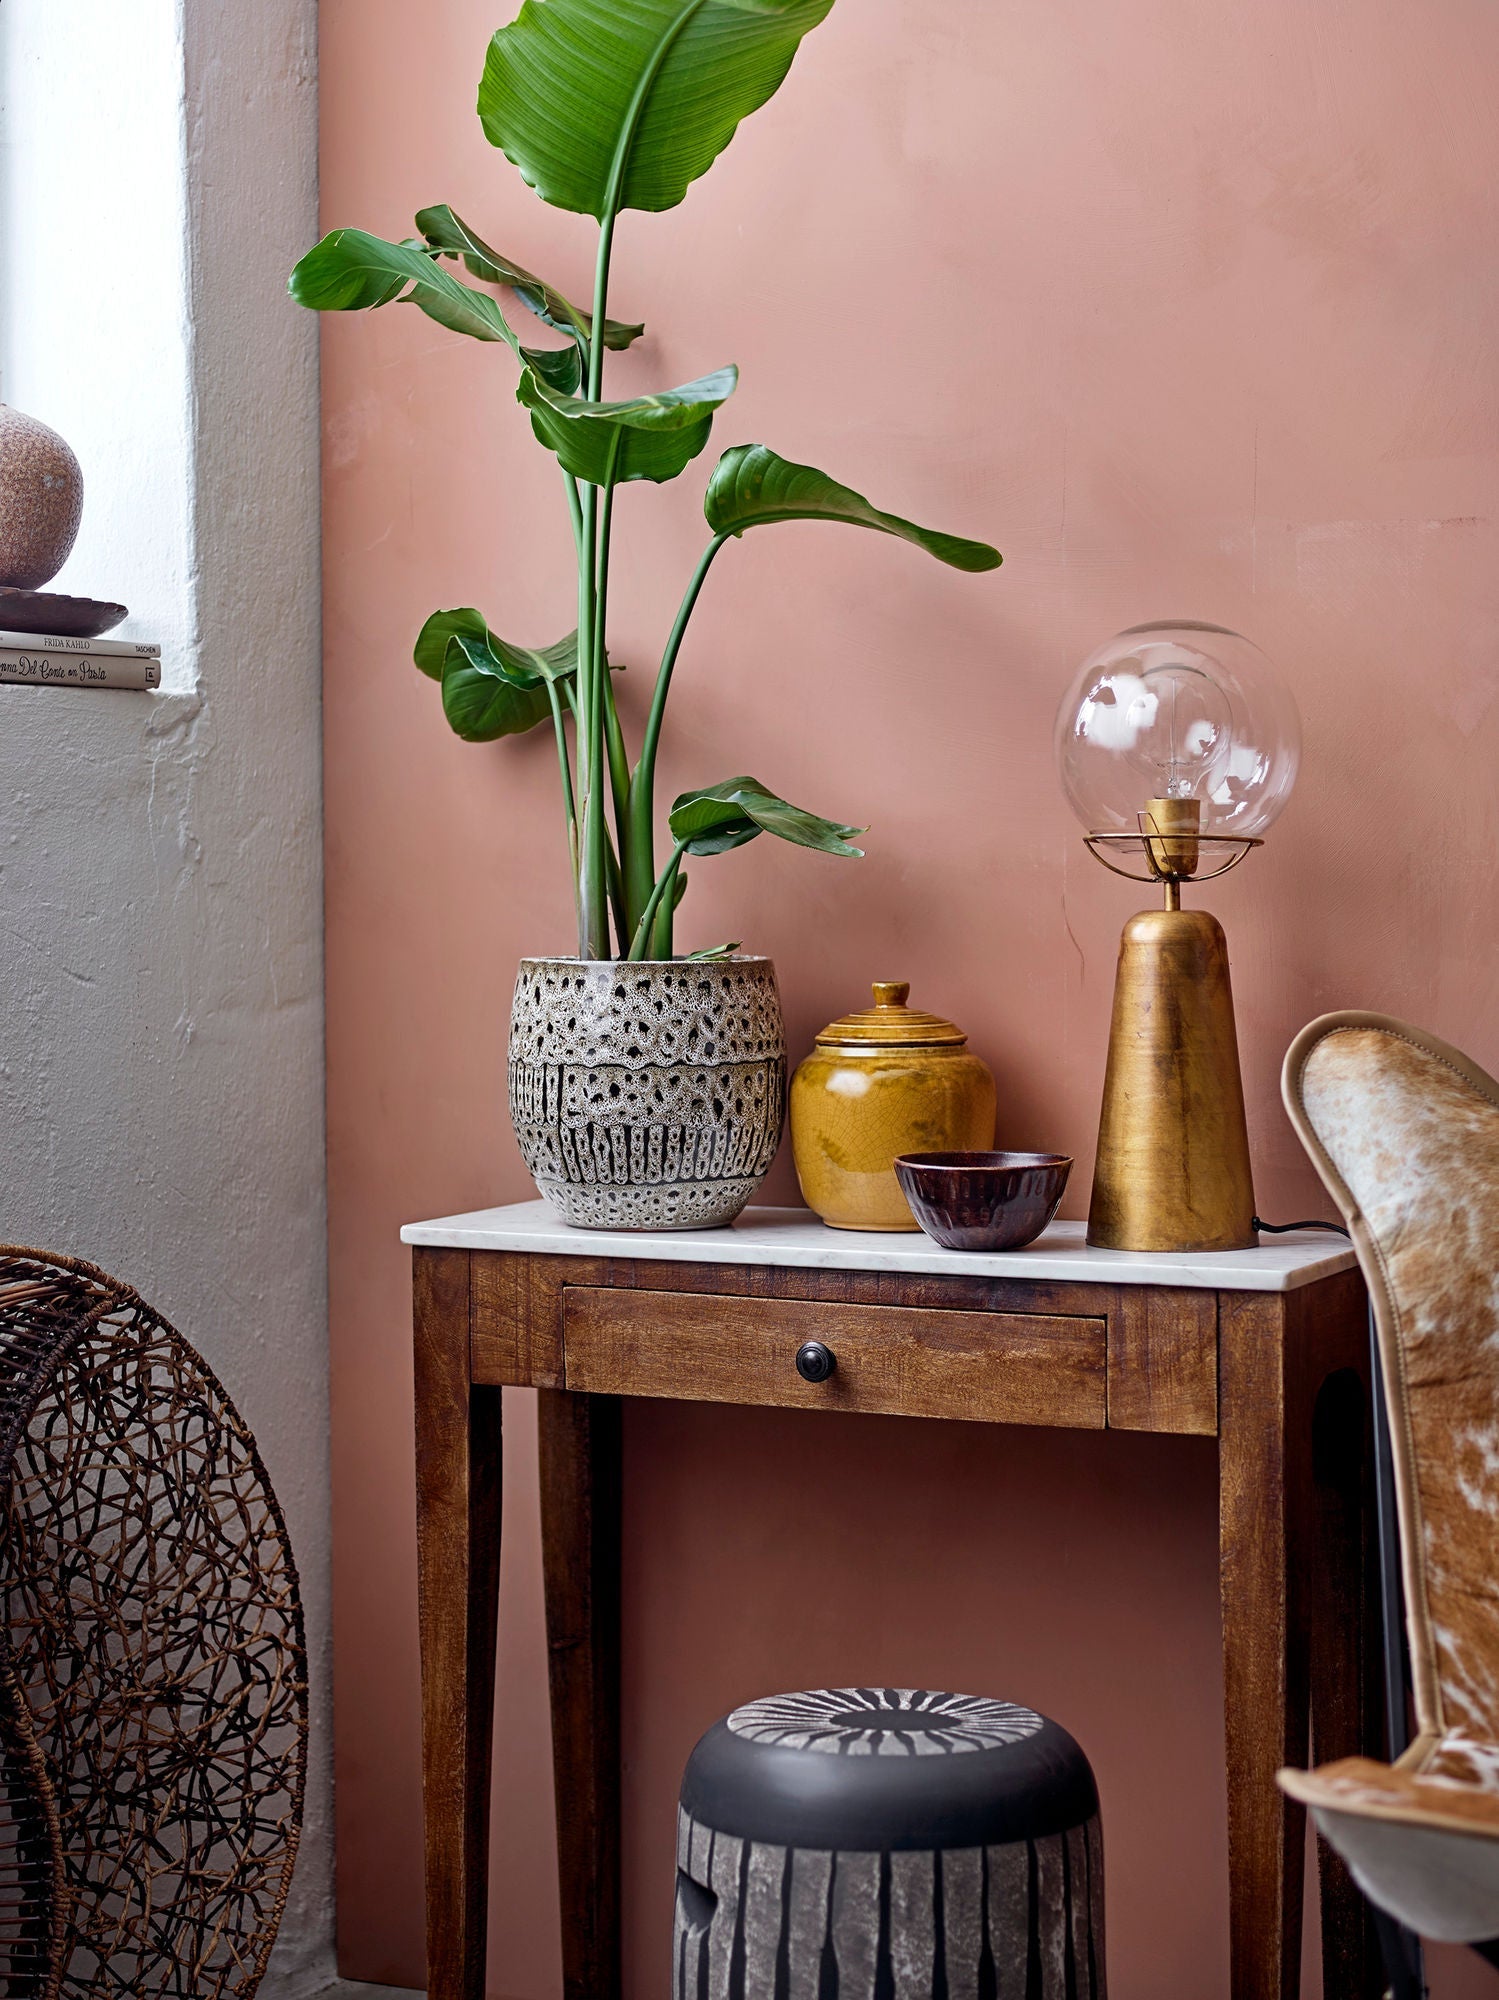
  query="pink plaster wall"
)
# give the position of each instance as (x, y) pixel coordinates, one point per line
(1193, 310)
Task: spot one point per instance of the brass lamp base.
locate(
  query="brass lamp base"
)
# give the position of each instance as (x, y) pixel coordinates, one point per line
(1173, 1150)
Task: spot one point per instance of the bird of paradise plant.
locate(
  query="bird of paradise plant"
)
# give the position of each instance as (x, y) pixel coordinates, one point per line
(607, 105)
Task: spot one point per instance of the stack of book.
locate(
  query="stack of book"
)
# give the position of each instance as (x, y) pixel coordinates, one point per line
(40, 660)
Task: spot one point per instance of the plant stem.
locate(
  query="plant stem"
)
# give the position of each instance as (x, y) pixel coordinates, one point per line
(593, 941)
(666, 879)
(619, 763)
(566, 768)
(575, 510)
(591, 580)
(598, 698)
(614, 192)
(640, 856)
(614, 742)
(567, 789)
(662, 928)
(593, 916)
(617, 897)
(594, 384)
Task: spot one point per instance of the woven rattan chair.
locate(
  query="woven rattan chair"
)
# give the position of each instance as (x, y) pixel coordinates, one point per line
(153, 1693)
(1405, 1132)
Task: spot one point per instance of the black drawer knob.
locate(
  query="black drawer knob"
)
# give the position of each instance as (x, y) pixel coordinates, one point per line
(814, 1362)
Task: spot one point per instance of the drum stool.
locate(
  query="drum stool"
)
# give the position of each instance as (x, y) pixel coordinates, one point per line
(853, 1843)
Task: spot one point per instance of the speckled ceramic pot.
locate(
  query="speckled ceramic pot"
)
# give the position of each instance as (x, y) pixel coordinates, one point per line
(41, 501)
(647, 1096)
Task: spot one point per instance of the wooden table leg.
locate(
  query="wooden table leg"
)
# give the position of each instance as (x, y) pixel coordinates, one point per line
(1264, 1479)
(1341, 1662)
(458, 1552)
(1343, 1628)
(580, 1510)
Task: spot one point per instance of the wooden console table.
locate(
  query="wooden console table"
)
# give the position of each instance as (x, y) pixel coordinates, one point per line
(1265, 1349)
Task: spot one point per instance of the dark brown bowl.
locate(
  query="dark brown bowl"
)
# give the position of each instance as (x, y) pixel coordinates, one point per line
(52, 616)
(983, 1201)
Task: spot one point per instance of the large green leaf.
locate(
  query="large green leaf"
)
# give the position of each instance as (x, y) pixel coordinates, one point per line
(490, 687)
(561, 368)
(526, 665)
(740, 809)
(350, 270)
(481, 702)
(561, 82)
(431, 649)
(657, 435)
(450, 234)
(752, 485)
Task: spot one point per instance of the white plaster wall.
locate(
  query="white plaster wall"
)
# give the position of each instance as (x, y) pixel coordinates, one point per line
(161, 1077)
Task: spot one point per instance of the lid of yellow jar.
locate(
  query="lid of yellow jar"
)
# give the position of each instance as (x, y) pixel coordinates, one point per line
(891, 1024)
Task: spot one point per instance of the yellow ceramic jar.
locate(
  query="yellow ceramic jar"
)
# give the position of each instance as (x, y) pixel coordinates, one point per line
(886, 1081)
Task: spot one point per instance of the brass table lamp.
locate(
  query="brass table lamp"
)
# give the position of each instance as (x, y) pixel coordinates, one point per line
(1178, 745)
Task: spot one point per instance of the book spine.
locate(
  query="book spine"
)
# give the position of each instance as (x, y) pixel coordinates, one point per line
(52, 642)
(41, 667)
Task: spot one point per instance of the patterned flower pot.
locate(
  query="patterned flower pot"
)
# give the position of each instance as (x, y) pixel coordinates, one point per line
(647, 1096)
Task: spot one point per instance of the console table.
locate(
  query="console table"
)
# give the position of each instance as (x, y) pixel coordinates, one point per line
(1265, 1349)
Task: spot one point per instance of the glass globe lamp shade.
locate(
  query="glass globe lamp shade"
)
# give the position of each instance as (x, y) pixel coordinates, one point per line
(1178, 711)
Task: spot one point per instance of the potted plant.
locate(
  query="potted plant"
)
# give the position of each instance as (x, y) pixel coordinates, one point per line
(645, 1088)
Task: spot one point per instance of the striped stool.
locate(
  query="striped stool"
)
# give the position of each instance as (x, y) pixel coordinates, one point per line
(858, 1843)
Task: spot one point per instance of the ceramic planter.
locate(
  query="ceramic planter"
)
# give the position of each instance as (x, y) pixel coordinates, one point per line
(647, 1096)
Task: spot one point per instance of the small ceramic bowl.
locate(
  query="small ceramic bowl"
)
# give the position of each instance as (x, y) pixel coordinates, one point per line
(983, 1201)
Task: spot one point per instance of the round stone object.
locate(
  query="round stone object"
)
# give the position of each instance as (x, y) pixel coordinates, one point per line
(872, 1840)
(41, 501)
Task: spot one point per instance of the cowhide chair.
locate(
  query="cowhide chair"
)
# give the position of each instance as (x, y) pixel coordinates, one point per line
(1405, 1132)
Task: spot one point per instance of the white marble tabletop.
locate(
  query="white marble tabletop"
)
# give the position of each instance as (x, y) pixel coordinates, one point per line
(794, 1237)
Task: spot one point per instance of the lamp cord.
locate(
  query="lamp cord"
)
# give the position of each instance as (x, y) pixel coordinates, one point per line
(1313, 1222)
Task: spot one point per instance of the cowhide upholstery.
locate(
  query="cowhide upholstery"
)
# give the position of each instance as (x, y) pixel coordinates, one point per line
(1405, 1132)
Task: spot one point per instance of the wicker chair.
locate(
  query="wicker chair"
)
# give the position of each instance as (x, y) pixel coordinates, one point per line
(153, 1688)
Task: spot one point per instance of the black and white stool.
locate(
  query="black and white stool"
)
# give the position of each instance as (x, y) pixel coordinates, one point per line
(858, 1843)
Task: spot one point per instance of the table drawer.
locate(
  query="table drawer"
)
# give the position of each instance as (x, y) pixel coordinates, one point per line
(989, 1367)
